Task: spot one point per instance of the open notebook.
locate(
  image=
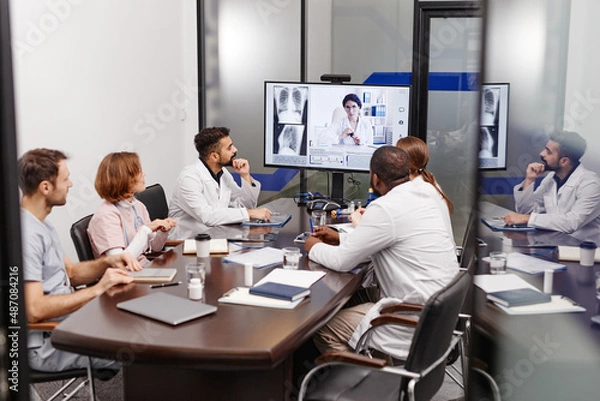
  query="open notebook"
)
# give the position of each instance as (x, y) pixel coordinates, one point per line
(218, 246)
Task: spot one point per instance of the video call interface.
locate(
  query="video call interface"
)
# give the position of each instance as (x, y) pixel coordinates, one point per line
(307, 125)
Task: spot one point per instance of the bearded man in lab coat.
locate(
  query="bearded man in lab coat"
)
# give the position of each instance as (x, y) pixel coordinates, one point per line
(206, 195)
(405, 234)
(568, 198)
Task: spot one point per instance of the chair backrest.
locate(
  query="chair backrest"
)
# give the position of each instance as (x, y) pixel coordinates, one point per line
(433, 335)
(155, 200)
(470, 243)
(81, 240)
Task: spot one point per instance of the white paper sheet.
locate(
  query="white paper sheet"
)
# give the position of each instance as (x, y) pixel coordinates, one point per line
(500, 282)
(263, 257)
(298, 278)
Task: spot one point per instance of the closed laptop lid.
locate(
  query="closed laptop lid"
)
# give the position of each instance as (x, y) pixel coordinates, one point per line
(167, 308)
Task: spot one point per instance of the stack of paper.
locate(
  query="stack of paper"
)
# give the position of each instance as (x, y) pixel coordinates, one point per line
(263, 257)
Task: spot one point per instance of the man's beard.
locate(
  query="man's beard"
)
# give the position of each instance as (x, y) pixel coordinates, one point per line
(548, 167)
(228, 163)
(375, 192)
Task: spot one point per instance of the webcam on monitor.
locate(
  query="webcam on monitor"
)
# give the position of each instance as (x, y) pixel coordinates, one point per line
(336, 78)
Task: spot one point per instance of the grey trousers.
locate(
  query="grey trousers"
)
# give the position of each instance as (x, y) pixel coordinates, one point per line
(49, 359)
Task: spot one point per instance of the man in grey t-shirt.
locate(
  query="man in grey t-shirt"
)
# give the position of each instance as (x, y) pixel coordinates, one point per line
(50, 277)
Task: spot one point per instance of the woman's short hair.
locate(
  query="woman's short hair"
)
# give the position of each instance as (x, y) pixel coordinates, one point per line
(116, 175)
(38, 165)
(352, 97)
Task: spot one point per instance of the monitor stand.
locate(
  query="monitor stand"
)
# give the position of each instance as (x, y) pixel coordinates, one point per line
(337, 187)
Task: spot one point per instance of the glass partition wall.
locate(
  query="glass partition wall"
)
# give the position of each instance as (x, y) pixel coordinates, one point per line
(246, 43)
(542, 49)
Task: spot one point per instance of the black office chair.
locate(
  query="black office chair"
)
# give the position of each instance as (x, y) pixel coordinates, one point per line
(81, 240)
(349, 376)
(155, 200)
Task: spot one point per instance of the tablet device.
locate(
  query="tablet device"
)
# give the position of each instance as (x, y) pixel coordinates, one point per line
(167, 308)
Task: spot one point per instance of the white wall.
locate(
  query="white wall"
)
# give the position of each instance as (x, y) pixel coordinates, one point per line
(93, 77)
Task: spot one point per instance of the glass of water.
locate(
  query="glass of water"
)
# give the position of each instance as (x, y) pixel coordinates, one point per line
(291, 257)
(498, 262)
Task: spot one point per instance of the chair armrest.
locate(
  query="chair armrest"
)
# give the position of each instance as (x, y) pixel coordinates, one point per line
(43, 326)
(349, 357)
(394, 319)
(401, 308)
(173, 242)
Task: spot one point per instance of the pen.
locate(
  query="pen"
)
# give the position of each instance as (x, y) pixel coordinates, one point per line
(312, 228)
(165, 285)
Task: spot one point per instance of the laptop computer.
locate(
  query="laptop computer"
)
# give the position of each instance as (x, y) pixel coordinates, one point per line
(167, 308)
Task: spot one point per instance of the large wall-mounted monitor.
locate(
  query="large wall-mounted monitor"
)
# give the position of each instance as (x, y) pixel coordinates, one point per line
(307, 125)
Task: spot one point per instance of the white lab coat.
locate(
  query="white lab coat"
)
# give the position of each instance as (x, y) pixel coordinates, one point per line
(364, 132)
(406, 234)
(198, 202)
(575, 207)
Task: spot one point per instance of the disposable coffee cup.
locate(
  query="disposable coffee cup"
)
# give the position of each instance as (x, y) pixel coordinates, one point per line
(202, 245)
(587, 253)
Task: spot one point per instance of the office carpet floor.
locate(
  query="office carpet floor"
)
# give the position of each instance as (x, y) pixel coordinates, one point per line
(112, 390)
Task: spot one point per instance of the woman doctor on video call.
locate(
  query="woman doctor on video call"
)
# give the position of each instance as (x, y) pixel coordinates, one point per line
(353, 129)
(122, 222)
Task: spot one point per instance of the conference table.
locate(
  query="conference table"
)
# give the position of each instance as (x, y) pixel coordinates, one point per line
(238, 353)
(539, 357)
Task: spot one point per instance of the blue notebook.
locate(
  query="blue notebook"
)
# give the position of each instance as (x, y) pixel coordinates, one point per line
(280, 291)
(518, 297)
(275, 221)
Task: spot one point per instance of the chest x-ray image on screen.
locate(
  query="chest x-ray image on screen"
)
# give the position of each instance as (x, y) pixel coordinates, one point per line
(494, 126)
(289, 121)
(290, 103)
